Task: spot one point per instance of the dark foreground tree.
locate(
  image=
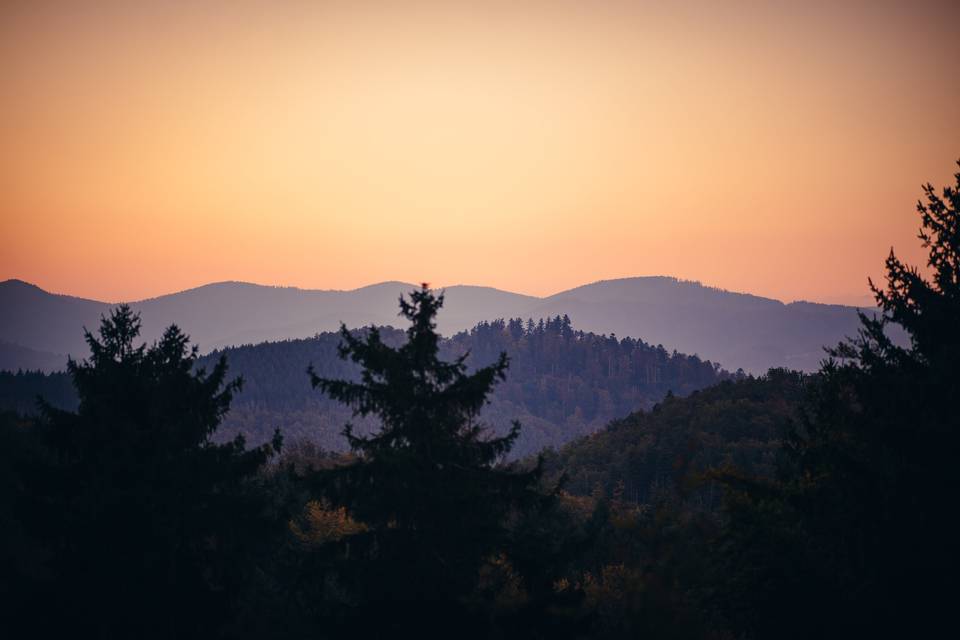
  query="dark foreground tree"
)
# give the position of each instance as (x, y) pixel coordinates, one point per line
(143, 517)
(859, 537)
(428, 487)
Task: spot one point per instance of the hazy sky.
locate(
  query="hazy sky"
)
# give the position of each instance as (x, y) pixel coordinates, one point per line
(776, 148)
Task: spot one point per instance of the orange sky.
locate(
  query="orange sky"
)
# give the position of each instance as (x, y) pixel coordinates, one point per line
(776, 148)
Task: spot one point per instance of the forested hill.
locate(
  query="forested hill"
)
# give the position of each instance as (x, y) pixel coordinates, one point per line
(562, 383)
(654, 455)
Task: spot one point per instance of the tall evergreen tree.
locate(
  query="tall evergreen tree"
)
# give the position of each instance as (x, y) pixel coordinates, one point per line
(859, 537)
(427, 485)
(144, 514)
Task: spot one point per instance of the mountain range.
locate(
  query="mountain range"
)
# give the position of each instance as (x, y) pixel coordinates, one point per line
(38, 329)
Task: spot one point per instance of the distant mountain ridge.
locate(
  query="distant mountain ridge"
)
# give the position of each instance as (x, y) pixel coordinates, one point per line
(737, 330)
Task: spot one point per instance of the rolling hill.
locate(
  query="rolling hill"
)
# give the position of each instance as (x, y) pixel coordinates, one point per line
(735, 329)
(562, 383)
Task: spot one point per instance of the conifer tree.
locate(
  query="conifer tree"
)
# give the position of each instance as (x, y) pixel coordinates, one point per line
(858, 539)
(427, 486)
(145, 515)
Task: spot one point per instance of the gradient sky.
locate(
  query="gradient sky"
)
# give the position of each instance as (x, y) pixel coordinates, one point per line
(776, 148)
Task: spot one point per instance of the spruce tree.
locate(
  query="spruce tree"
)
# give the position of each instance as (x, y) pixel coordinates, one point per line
(859, 536)
(428, 485)
(146, 517)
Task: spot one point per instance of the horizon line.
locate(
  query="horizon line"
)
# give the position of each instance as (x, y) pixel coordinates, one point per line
(677, 279)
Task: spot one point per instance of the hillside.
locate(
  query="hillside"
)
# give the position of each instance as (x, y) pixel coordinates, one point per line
(562, 383)
(651, 454)
(736, 329)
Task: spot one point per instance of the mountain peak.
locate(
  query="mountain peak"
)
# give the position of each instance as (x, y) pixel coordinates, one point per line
(16, 283)
(389, 284)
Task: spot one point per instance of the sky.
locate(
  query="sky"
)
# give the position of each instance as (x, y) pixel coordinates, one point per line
(776, 148)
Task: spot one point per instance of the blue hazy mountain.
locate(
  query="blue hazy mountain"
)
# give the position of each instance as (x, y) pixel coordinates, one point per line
(38, 329)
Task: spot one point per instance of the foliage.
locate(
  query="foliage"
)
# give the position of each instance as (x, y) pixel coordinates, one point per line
(426, 486)
(856, 537)
(649, 507)
(320, 523)
(136, 509)
(652, 455)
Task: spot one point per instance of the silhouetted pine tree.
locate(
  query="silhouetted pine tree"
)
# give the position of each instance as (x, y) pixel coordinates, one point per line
(427, 485)
(144, 516)
(859, 538)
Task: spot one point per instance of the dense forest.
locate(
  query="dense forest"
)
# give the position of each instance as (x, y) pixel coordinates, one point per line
(785, 506)
(562, 383)
(651, 454)
(20, 390)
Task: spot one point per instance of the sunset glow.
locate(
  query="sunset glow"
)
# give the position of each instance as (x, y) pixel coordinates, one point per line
(757, 147)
